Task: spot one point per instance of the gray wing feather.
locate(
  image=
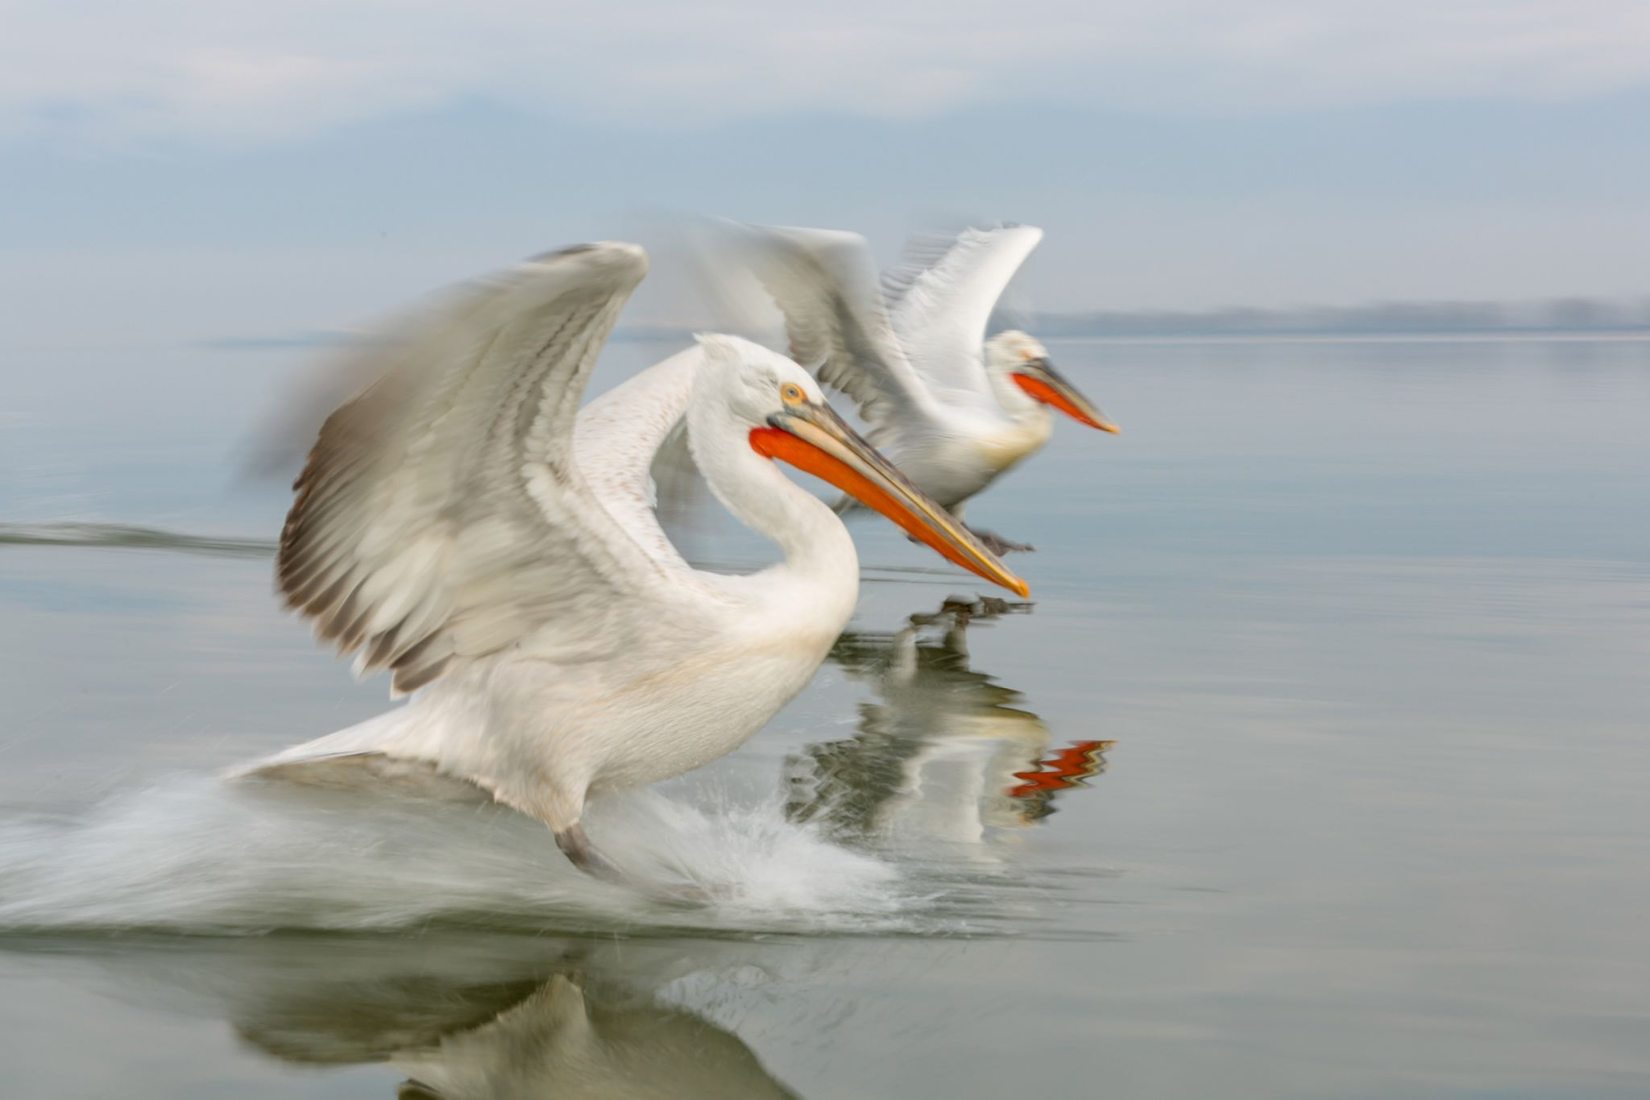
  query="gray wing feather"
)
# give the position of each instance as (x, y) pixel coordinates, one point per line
(441, 514)
(824, 283)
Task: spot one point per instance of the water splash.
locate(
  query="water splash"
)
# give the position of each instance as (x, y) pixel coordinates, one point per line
(200, 854)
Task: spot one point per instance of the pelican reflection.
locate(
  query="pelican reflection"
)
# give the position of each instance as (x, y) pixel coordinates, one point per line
(944, 752)
(456, 1017)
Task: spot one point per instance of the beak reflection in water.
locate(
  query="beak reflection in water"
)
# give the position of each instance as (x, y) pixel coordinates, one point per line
(945, 753)
(814, 439)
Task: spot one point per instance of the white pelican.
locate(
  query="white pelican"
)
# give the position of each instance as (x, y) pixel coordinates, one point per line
(949, 407)
(456, 526)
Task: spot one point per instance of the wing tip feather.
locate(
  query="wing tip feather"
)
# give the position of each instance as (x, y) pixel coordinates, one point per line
(318, 575)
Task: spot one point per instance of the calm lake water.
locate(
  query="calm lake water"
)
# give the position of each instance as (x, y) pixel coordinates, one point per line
(1318, 768)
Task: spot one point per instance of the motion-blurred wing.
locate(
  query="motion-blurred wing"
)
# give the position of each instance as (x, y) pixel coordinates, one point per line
(441, 515)
(941, 294)
(825, 283)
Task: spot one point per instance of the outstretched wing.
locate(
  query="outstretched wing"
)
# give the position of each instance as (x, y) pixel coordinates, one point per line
(441, 515)
(825, 283)
(941, 294)
(630, 435)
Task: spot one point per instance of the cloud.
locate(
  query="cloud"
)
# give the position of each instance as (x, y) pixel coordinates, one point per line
(238, 72)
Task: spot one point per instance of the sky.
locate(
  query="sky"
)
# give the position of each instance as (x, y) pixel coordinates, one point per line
(212, 169)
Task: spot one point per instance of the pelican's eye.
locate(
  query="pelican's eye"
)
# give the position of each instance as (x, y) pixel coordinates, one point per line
(792, 394)
(1028, 355)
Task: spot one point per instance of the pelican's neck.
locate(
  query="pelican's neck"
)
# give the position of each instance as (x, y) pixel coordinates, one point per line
(1015, 403)
(818, 548)
(1018, 405)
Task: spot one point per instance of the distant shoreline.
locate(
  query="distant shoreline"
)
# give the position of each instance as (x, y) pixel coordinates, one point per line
(1533, 336)
(1566, 320)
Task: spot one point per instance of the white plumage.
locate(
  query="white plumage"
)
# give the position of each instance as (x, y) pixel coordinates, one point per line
(952, 409)
(462, 525)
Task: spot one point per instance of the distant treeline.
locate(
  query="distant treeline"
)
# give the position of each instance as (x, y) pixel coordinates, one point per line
(1393, 318)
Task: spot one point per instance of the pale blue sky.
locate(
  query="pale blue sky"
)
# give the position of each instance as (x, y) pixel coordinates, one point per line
(210, 170)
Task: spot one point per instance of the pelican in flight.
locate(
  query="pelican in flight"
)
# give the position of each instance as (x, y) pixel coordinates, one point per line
(462, 524)
(952, 409)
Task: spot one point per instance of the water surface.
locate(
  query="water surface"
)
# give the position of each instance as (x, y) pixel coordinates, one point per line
(1316, 769)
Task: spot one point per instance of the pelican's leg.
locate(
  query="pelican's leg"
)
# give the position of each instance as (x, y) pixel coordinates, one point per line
(560, 807)
(576, 846)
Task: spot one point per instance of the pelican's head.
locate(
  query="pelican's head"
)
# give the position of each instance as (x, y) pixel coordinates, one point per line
(786, 417)
(1023, 360)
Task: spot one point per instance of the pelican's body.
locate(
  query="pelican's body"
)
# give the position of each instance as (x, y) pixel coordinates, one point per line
(458, 525)
(954, 410)
(957, 453)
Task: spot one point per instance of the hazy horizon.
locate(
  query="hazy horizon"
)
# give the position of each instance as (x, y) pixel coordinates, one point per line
(202, 173)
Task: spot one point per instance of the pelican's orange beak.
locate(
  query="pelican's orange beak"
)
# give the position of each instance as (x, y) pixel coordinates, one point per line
(814, 439)
(1039, 379)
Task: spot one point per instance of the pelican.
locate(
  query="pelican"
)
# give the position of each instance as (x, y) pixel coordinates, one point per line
(952, 409)
(461, 524)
